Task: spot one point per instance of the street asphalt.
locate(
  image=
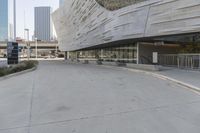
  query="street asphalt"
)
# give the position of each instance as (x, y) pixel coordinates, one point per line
(74, 98)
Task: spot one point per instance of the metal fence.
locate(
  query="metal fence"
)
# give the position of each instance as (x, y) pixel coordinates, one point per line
(185, 61)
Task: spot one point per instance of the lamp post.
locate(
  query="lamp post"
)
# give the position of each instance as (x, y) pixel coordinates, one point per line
(36, 53)
(27, 42)
(56, 51)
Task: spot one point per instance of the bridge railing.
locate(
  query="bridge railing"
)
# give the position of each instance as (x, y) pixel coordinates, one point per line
(185, 61)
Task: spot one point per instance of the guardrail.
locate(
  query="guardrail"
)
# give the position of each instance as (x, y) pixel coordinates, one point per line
(185, 61)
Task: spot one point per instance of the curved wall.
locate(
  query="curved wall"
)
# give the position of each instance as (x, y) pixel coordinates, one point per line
(117, 4)
(84, 23)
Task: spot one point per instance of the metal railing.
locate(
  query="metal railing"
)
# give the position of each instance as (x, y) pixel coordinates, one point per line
(185, 61)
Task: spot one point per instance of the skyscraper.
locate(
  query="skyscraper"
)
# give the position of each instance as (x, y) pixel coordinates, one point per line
(14, 18)
(43, 23)
(3, 20)
(61, 2)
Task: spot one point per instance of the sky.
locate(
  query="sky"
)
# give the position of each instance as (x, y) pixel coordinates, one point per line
(27, 7)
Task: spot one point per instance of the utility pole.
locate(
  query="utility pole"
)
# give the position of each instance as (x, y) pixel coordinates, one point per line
(28, 44)
(36, 49)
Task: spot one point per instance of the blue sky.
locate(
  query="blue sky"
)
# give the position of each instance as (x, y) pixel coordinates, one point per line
(27, 6)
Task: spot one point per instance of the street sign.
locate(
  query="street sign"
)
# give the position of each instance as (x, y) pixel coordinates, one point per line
(12, 53)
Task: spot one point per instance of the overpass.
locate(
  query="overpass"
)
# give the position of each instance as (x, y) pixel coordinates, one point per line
(44, 48)
(40, 45)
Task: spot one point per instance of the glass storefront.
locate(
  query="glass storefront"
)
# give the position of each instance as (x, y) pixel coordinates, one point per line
(124, 54)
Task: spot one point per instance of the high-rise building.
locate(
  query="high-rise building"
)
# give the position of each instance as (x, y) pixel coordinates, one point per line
(3, 20)
(61, 2)
(43, 23)
(14, 19)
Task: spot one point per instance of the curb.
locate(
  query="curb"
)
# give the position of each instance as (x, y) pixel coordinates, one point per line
(195, 88)
(18, 73)
(160, 76)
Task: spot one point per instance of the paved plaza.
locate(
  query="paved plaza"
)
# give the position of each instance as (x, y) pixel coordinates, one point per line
(74, 98)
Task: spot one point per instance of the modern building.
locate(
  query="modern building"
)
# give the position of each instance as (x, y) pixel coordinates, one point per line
(3, 20)
(43, 23)
(129, 31)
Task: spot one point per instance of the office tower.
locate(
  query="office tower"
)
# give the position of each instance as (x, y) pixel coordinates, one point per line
(3, 20)
(14, 18)
(43, 23)
(61, 2)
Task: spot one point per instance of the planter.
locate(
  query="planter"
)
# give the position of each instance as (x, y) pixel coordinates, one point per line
(85, 62)
(99, 62)
(120, 64)
(144, 67)
(109, 63)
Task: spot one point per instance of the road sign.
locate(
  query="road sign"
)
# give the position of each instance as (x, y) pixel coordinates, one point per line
(12, 53)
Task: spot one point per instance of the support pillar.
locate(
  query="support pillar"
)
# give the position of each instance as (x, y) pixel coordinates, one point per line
(66, 55)
(138, 54)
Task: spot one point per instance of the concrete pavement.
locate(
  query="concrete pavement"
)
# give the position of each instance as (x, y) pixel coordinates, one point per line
(70, 98)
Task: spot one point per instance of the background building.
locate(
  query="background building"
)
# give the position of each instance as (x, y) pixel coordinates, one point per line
(3, 20)
(43, 23)
(61, 2)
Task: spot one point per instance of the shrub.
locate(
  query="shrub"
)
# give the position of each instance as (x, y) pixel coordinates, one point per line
(3, 71)
(117, 4)
(24, 65)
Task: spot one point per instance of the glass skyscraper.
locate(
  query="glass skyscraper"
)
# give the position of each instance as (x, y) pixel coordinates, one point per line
(3, 20)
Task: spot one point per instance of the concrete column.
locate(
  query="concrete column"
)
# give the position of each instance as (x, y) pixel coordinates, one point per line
(66, 55)
(138, 54)
(101, 54)
(14, 18)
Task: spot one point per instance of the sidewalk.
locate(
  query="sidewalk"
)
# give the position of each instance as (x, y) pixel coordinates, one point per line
(186, 76)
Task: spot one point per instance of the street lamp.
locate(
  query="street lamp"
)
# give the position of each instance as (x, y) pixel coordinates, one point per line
(56, 51)
(36, 53)
(27, 42)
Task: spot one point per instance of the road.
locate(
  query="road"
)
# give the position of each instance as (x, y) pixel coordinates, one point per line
(71, 98)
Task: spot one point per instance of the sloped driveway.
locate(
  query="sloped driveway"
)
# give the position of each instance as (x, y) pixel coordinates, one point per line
(70, 98)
